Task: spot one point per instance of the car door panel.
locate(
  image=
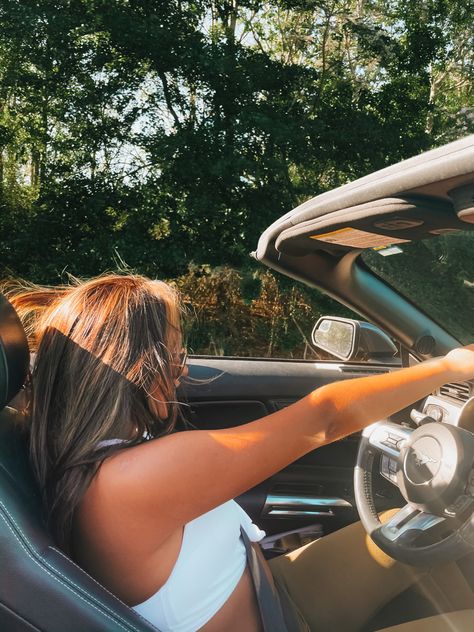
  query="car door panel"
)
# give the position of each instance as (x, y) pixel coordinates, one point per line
(226, 392)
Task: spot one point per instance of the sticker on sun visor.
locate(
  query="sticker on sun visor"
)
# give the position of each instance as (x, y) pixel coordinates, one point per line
(386, 252)
(357, 238)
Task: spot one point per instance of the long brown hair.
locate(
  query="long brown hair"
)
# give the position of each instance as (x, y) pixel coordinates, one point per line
(102, 347)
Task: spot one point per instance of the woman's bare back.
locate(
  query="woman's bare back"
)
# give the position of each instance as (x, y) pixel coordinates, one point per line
(120, 552)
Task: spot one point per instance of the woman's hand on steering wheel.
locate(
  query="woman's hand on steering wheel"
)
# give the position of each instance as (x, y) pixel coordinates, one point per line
(460, 362)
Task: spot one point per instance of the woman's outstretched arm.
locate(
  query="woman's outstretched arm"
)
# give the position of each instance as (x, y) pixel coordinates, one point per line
(171, 480)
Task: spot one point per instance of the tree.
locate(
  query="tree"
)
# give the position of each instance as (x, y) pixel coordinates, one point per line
(171, 133)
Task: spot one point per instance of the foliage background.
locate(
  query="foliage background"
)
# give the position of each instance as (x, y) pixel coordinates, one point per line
(165, 136)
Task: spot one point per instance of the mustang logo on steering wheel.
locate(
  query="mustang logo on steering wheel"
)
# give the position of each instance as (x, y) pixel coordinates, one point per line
(422, 459)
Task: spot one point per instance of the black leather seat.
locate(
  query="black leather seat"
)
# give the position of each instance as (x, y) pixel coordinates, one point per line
(40, 588)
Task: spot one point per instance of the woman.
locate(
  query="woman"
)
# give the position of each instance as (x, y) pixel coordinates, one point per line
(148, 511)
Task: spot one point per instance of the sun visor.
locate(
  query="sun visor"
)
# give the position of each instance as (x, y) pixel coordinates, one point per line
(378, 224)
(463, 202)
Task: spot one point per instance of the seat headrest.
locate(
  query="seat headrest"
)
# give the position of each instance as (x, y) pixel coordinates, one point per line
(14, 354)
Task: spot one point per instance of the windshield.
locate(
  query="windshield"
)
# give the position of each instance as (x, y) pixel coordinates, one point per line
(437, 275)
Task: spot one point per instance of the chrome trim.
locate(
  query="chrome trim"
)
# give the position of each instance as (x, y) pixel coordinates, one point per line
(291, 513)
(321, 366)
(286, 505)
(407, 519)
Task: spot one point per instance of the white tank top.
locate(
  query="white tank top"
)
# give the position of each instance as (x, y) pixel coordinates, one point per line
(210, 564)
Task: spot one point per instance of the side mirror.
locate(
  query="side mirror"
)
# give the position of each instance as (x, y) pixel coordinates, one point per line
(349, 339)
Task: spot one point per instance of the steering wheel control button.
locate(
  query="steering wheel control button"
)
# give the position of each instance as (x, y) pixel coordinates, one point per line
(423, 460)
(389, 468)
(389, 441)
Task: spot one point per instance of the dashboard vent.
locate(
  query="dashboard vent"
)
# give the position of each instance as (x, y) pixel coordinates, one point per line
(456, 390)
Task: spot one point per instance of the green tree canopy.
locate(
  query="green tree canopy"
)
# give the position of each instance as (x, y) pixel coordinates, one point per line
(170, 133)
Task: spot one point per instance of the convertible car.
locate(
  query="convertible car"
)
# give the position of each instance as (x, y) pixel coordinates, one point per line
(396, 247)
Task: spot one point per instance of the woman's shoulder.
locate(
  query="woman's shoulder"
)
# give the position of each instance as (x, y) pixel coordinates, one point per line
(115, 508)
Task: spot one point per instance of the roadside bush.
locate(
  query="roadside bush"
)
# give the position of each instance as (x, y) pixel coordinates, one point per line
(250, 313)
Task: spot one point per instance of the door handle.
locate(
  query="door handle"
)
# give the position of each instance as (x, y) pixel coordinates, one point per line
(286, 505)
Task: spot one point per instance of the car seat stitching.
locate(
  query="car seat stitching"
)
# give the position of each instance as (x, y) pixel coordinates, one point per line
(96, 582)
(77, 566)
(82, 571)
(129, 626)
(53, 548)
(57, 578)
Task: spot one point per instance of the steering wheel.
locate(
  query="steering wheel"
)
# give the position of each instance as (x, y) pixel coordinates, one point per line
(432, 466)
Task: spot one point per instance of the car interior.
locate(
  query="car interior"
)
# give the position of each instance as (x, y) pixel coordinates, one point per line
(320, 244)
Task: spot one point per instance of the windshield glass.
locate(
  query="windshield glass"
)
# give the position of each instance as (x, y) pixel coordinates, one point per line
(437, 275)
